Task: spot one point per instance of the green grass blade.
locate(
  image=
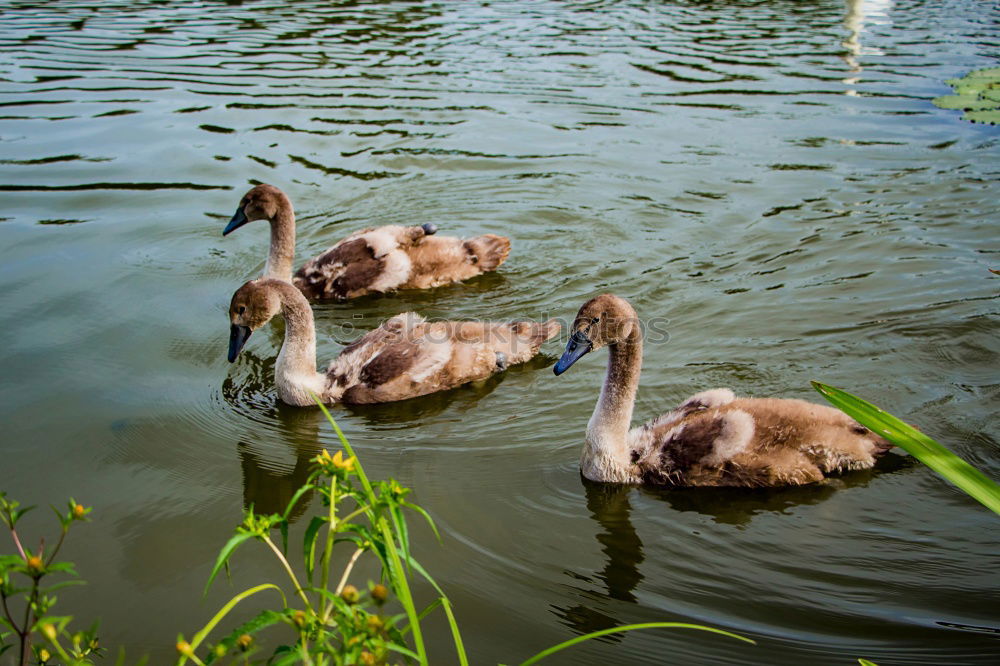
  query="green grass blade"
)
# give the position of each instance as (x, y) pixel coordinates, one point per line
(629, 627)
(865, 662)
(920, 446)
(396, 571)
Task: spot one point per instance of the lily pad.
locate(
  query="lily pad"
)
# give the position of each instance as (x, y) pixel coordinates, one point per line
(977, 94)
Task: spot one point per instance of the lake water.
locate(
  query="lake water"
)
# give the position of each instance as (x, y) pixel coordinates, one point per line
(768, 181)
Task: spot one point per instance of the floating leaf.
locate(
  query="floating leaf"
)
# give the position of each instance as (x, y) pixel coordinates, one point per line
(978, 94)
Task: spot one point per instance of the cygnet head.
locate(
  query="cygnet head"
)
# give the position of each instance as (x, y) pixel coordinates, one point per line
(262, 202)
(603, 320)
(252, 306)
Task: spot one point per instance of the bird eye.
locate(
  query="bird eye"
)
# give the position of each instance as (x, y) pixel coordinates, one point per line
(597, 320)
(242, 309)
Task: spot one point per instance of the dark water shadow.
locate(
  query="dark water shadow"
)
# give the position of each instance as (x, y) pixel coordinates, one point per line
(610, 505)
(267, 487)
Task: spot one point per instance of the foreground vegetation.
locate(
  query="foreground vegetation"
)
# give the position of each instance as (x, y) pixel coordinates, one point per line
(320, 616)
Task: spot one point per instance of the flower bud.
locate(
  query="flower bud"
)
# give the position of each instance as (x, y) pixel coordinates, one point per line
(380, 593)
(78, 511)
(367, 658)
(350, 594)
(43, 655)
(184, 648)
(375, 623)
(244, 641)
(35, 563)
(299, 618)
(49, 631)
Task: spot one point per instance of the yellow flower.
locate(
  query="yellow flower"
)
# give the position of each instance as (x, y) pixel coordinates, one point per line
(43, 655)
(35, 563)
(340, 463)
(79, 511)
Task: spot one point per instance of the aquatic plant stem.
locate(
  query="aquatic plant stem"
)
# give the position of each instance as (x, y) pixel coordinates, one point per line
(59, 544)
(347, 570)
(291, 574)
(17, 542)
(397, 573)
(325, 606)
(26, 635)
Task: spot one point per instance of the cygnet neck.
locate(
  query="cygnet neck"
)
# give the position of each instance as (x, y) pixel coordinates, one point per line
(282, 253)
(606, 456)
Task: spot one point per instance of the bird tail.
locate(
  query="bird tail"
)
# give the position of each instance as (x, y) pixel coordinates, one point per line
(489, 250)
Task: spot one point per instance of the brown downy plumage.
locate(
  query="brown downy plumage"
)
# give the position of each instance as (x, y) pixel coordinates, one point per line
(405, 357)
(373, 260)
(713, 438)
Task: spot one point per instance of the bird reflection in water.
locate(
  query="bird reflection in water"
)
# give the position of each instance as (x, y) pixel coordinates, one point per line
(268, 486)
(610, 505)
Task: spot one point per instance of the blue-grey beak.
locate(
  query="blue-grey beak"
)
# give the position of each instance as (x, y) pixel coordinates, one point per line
(238, 336)
(577, 346)
(239, 219)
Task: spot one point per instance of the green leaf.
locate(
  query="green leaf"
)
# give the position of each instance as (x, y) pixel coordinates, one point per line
(427, 516)
(920, 446)
(628, 627)
(991, 116)
(309, 545)
(399, 523)
(60, 585)
(263, 619)
(456, 635)
(283, 528)
(63, 567)
(224, 555)
(977, 93)
(865, 662)
(402, 650)
(295, 499)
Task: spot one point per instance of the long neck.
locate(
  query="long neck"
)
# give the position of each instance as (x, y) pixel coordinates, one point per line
(282, 252)
(607, 452)
(295, 370)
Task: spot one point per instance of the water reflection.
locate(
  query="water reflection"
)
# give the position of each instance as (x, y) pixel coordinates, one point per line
(858, 12)
(269, 489)
(268, 485)
(609, 505)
